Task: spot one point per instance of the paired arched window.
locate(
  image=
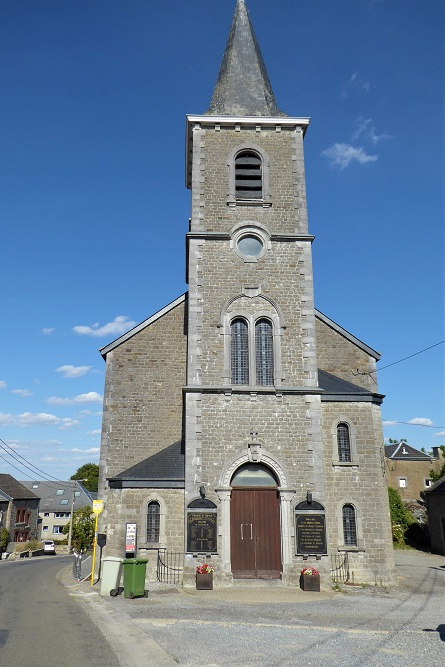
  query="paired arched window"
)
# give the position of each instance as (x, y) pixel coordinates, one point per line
(349, 526)
(251, 352)
(153, 521)
(343, 443)
(248, 175)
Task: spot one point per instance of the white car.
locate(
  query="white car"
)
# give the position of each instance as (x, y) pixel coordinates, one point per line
(48, 547)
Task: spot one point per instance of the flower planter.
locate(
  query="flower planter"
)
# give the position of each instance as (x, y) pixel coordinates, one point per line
(310, 582)
(204, 582)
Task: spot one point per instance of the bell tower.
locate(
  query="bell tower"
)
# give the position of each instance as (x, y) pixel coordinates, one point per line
(252, 360)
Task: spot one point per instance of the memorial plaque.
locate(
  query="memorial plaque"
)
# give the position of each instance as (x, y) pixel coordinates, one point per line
(201, 532)
(310, 533)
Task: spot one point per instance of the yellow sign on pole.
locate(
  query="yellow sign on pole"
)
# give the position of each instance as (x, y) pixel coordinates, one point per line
(98, 506)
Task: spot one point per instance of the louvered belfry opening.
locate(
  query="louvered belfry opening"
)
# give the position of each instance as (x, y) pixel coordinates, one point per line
(248, 176)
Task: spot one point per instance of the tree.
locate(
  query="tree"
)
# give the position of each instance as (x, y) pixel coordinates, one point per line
(4, 539)
(90, 472)
(437, 475)
(83, 529)
(401, 519)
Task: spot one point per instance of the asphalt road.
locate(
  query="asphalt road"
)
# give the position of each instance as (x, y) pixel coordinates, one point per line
(41, 625)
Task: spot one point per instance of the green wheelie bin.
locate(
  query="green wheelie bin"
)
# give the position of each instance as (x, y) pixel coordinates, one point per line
(134, 577)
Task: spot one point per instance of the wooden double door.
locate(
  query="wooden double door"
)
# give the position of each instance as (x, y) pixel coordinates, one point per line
(255, 534)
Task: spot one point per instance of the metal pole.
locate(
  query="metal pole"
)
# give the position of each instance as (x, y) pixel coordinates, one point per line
(70, 532)
(94, 548)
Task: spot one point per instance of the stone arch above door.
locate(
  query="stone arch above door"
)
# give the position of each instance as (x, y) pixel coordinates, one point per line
(265, 459)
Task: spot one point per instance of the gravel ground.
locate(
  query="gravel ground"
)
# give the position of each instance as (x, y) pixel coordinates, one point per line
(401, 626)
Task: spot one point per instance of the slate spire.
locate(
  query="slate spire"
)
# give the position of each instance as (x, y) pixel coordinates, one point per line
(243, 87)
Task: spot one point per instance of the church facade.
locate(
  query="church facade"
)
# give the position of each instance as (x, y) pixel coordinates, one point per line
(234, 430)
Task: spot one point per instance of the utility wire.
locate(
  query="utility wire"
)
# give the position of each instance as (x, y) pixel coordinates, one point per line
(19, 456)
(400, 360)
(411, 424)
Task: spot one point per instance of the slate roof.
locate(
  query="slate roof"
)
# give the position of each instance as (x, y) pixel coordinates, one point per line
(404, 452)
(165, 469)
(14, 489)
(51, 501)
(243, 87)
(337, 389)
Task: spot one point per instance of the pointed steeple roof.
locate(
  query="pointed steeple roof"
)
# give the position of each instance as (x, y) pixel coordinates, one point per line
(243, 87)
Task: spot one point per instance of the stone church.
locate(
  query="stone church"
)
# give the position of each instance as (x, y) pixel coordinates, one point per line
(234, 430)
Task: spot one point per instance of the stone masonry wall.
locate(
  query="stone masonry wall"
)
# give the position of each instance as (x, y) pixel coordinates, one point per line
(339, 356)
(363, 485)
(415, 473)
(143, 394)
(130, 505)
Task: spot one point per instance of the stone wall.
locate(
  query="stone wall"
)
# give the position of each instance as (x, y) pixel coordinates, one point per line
(414, 472)
(339, 356)
(143, 394)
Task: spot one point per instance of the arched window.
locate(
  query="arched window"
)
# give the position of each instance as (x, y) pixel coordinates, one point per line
(343, 442)
(264, 352)
(252, 352)
(349, 526)
(253, 475)
(248, 175)
(239, 351)
(153, 521)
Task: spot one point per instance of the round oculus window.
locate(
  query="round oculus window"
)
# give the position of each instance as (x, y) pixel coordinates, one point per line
(250, 246)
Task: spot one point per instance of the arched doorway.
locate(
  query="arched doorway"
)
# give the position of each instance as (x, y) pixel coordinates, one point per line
(255, 523)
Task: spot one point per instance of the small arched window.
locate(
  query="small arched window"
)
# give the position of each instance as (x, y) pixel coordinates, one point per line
(153, 521)
(343, 443)
(349, 526)
(239, 351)
(248, 175)
(264, 352)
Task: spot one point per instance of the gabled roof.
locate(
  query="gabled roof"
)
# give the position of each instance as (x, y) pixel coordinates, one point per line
(336, 327)
(14, 489)
(181, 299)
(403, 452)
(139, 327)
(243, 87)
(337, 389)
(165, 469)
(51, 498)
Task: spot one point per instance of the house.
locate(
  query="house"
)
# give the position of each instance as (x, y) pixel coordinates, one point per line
(19, 510)
(408, 470)
(435, 501)
(234, 429)
(57, 499)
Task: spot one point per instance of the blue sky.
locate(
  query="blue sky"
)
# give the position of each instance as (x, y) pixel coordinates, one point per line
(93, 207)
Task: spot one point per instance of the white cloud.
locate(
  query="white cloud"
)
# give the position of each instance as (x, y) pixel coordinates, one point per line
(90, 413)
(92, 450)
(73, 371)
(2, 384)
(48, 331)
(423, 421)
(118, 326)
(441, 433)
(96, 431)
(37, 419)
(355, 84)
(21, 392)
(90, 397)
(341, 155)
(366, 130)
(389, 422)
